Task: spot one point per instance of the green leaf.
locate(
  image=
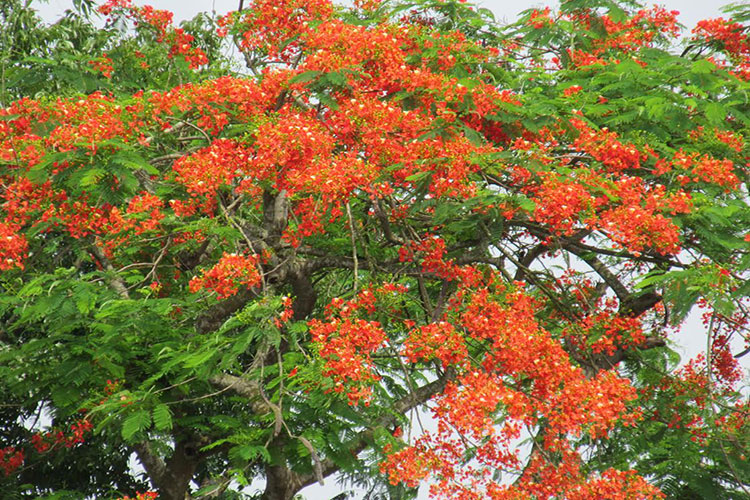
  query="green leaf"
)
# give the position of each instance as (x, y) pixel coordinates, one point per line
(162, 417)
(473, 136)
(703, 66)
(135, 423)
(525, 203)
(132, 160)
(305, 77)
(248, 453)
(715, 112)
(651, 279)
(419, 176)
(200, 358)
(336, 78)
(328, 101)
(85, 302)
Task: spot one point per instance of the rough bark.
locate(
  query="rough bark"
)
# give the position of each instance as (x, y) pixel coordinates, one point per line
(170, 478)
(281, 483)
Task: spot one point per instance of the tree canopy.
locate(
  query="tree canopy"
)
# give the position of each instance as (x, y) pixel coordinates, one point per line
(390, 244)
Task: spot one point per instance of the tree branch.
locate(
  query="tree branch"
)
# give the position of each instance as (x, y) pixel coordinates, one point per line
(414, 399)
(609, 278)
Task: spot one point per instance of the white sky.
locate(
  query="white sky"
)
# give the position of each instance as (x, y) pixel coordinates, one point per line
(691, 340)
(690, 10)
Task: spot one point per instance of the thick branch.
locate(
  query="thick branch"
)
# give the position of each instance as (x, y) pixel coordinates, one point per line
(386, 225)
(275, 215)
(249, 389)
(217, 314)
(527, 259)
(609, 278)
(631, 304)
(282, 483)
(304, 296)
(181, 468)
(593, 363)
(575, 240)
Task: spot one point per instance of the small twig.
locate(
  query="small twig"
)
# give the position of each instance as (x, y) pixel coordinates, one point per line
(385, 224)
(354, 246)
(195, 127)
(317, 464)
(278, 418)
(425, 297)
(159, 258)
(743, 353)
(186, 381)
(412, 390)
(709, 336)
(708, 354)
(229, 219)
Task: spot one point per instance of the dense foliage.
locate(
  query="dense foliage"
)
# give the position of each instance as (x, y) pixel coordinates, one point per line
(395, 214)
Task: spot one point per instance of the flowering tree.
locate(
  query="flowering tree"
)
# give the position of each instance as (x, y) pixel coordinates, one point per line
(397, 213)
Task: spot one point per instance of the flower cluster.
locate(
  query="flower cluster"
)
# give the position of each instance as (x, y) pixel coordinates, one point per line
(604, 147)
(570, 403)
(43, 442)
(410, 465)
(161, 20)
(146, 495)
(731, 139)
(541, 18)
(346, 341)
(730, 34)
(616, 484)
(204, 171)
(148, 204)
(438, 341)
(10, 459)
(606, 332)
(13, 247)
(269, 21)
(627, 210)
(696, 168)
(229, 273)
(562, 204)
(346, 345)
(642, 29)
(103, 64)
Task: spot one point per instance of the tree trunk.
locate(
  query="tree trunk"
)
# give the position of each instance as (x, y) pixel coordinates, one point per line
(281, 483)
(171, 479)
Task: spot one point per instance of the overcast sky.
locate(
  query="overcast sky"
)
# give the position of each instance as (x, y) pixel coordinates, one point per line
(690, 340)
(690, 10)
